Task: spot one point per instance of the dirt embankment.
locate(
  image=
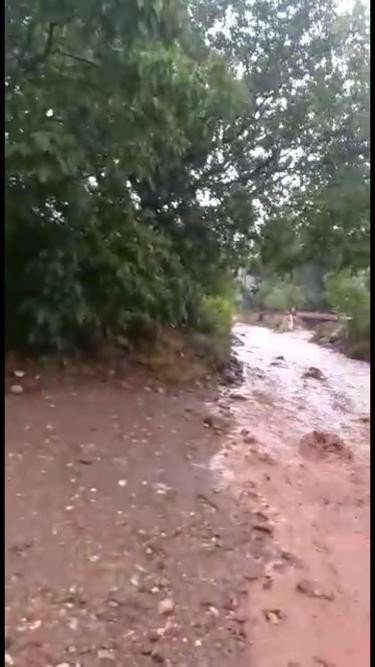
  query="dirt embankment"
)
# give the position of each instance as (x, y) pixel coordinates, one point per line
(147, 524)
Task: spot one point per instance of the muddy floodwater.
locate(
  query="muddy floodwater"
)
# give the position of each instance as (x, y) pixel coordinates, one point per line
(346, 378)
(296, 391)
(279, 372)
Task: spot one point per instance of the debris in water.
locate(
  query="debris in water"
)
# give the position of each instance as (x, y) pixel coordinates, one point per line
(321, 443)
(314, 373)
(308, 588)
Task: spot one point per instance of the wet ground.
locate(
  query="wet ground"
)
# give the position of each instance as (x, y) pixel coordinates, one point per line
(149, 525)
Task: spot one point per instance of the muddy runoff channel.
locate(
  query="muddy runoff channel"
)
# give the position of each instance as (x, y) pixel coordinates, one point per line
(298, 452)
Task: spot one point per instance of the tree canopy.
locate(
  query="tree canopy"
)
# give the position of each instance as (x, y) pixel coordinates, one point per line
(150, 146)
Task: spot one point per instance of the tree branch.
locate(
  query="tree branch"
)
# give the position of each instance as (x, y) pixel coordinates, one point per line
(38, 59)
(245, 178)
(78, 58)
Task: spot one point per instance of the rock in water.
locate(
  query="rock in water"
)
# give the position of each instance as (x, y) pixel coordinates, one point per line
(232, 371)
(314, 373)
(320, 444)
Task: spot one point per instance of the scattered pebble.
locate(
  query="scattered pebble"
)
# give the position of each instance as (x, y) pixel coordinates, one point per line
(94, 558)
(73, 624)
(166, 606)
(214, 611)
(274, 616)
(16, 389)
(106, 654)
(162, 489)
(157, 656)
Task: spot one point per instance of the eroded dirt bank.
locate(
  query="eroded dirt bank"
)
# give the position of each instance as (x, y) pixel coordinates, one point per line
(143, 529)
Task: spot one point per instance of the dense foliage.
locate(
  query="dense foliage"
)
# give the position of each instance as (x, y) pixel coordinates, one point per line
(349, 295)
(145, 139)
(276, 294)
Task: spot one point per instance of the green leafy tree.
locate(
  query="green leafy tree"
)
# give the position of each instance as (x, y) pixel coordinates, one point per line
(274, 294)
(325, 215)
(349, 295)
(144, 140)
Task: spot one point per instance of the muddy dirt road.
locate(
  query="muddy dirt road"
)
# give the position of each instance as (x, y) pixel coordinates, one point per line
(192, 527)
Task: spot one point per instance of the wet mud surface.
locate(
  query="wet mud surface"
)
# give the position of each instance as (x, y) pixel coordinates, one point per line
(192, 527)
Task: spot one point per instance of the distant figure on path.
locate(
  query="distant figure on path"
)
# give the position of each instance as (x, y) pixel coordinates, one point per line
(287, 323)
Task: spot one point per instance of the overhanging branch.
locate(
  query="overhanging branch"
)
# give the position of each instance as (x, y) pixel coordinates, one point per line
(31, 64)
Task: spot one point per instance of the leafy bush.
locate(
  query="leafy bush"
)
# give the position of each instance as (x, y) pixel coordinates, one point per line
(81, 286)
(349, 295)
(215, 315)
(277, 294)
